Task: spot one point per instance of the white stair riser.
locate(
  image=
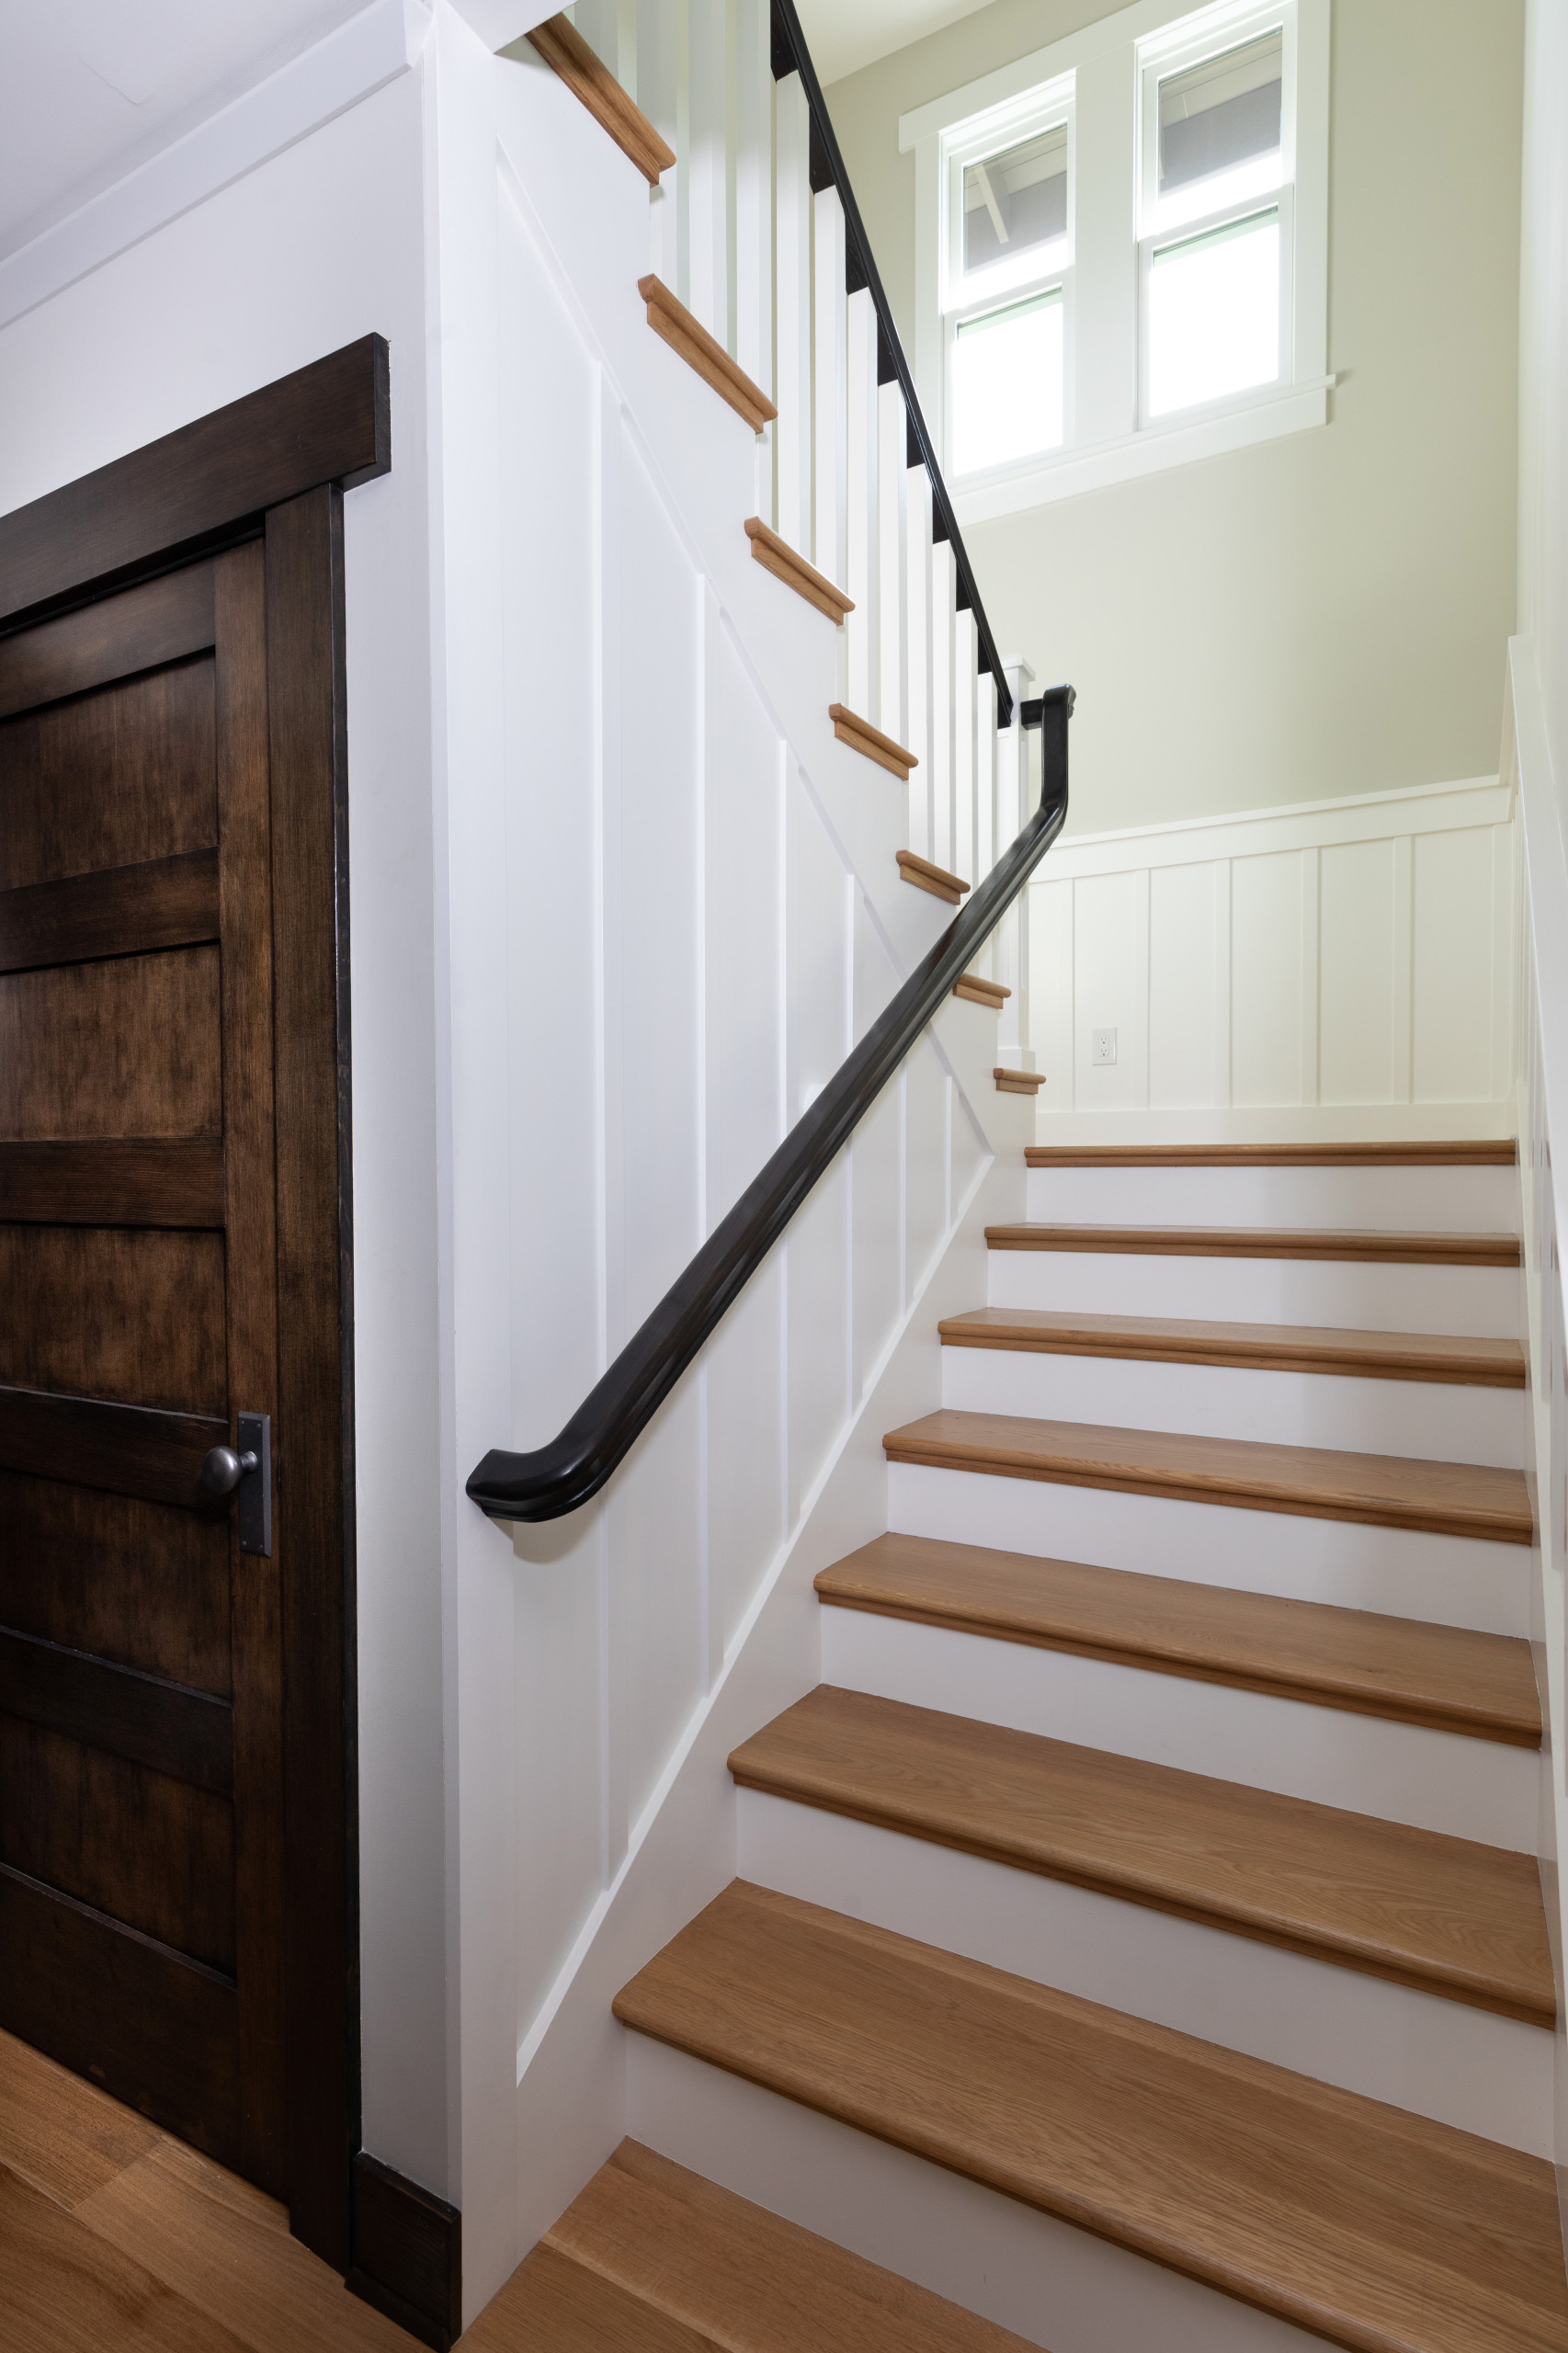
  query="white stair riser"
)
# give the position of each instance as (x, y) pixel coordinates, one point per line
(1434, 1421)
(1481, 1303)
(1433, 1780)
(1051, 2284)
(1458, 2065)
(1403, 1200)
(1451, 1580)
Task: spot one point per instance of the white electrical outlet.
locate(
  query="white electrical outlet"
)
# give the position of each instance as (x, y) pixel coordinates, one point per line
(1102, 1046)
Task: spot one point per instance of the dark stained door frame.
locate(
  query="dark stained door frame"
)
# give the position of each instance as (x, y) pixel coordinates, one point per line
(274, 466)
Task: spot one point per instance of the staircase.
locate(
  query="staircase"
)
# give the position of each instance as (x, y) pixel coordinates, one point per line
(1139, 1939)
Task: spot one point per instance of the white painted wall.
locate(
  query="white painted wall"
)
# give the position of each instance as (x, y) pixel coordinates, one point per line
(1328, 613)
(323, 242)
(1341, 969)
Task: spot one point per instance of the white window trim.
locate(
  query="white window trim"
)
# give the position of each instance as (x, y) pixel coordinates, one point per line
(1104, 64)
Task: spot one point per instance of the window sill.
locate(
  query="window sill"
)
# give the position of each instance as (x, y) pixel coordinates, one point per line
(1239, 426)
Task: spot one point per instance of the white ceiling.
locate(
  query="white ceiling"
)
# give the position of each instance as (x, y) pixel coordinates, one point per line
(844, 35)
(89, 88)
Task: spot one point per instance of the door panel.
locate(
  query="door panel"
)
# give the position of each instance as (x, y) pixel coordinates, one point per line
(127, 773)
(135, 1844)
(129, 1047)
(135, 1315)
(140, 1855)
(144, 1585)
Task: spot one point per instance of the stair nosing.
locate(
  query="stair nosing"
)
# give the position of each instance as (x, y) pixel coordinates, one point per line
(1348, 1245)
(917, 1443)
(1319, 1349)
(912, 1811)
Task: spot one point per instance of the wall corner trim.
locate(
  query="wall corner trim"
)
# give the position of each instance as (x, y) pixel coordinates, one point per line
(407, 2254)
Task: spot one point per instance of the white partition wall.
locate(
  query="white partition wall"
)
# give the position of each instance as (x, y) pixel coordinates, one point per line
(1343, 968)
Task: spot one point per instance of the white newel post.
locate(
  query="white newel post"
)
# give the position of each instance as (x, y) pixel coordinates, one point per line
(1013, 797)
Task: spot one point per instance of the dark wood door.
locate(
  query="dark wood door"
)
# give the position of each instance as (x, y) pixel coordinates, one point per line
(140, 1797)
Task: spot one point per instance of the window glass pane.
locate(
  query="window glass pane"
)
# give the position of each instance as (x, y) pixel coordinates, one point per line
(1219, 129)
(1015, 203)
(1214, 314)
(1006, 385)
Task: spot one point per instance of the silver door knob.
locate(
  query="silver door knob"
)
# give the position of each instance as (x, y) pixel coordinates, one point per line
(223, 1469)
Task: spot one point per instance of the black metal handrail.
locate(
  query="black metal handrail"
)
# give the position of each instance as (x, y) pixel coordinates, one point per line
(557, 1478)
(790, 55)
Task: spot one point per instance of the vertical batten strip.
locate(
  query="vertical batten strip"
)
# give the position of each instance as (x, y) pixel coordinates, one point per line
(1142, 942)
(792, 262)
(1401, 1057)
(1012, 968)
(918, 737)
(598, 21)
(754, 219)
(892, 584)
(965, 681)
(829, 385)
(944, 624)
(709, 62)
(1311, 982)
(862, 574)
(1225, 1048)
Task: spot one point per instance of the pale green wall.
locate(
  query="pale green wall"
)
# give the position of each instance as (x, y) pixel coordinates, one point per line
(1325, 613)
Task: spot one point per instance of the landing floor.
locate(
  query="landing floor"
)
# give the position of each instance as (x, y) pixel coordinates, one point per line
(115, 2238)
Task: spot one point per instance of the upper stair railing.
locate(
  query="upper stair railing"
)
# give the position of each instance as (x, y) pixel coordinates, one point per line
(790, 55)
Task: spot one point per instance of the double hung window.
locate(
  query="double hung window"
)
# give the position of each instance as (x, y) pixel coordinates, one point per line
(1007, 268)
(1122, 249)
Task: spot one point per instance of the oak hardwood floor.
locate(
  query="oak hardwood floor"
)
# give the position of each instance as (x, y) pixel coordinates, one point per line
(652, 2259)
(1382, 2232)
(1394, 1249)
(1446, 1676)
(115, 2238)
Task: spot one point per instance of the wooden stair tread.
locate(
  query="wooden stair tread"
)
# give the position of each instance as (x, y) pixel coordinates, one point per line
(1378, 1490)
(1446, 1915)
(1375, 2228)
(677, 2263)
(562, 46)
(1286, 1347)
(1487, 1151)
(1358, 1244)
(1444, 1676)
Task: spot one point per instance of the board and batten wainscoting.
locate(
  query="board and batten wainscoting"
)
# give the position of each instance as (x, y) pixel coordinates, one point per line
(1331, 969)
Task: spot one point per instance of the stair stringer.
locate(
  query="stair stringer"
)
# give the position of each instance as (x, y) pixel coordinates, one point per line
(585, 209)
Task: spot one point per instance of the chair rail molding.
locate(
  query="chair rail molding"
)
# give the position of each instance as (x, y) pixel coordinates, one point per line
(1330, 969)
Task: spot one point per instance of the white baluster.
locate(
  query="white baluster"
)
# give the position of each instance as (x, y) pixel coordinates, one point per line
(754, 218)
(919, 735)
(711, 70)
(944, 617)
(598, 21)
(661, 50)
(892, 565)
(964, 700)
(862, 635)
(1012, 965)
(792, 238)
(829, 388)
(985, 793)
